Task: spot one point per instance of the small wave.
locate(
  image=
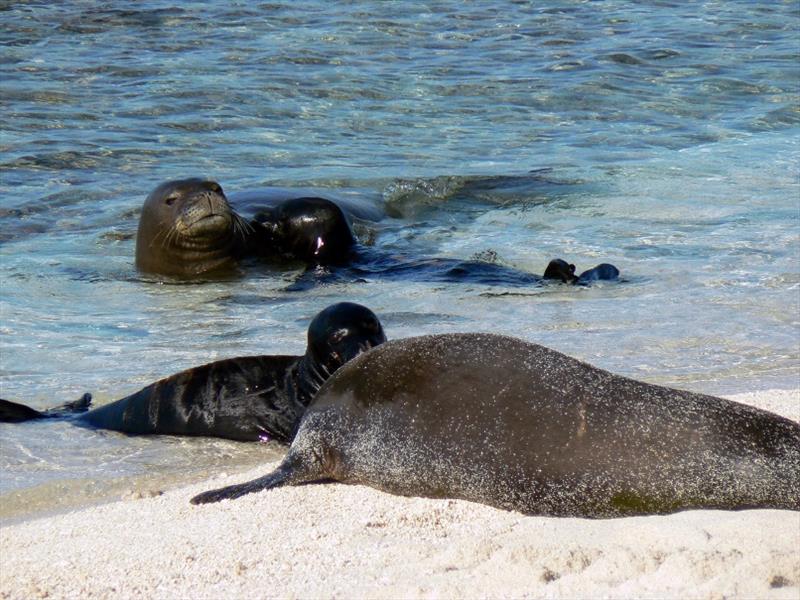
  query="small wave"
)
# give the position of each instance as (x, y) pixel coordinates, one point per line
(405, 198)
(98, 21)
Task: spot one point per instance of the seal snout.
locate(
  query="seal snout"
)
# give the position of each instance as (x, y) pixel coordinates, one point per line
(206, 213)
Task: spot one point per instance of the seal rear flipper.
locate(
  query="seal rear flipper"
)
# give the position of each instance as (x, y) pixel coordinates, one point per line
(13, 412)
(292, 471)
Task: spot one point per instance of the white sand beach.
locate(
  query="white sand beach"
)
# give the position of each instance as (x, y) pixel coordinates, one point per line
(340, 541)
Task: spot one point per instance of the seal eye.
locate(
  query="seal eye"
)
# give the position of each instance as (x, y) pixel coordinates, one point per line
(337, 336)
(215, 187)
(170, 200)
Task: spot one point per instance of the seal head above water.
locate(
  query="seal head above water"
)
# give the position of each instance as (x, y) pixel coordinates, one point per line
(311, 230)
(503, 422)
(187, 227)
(560, 270)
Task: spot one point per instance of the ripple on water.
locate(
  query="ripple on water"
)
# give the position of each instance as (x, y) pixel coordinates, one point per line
(659, 137)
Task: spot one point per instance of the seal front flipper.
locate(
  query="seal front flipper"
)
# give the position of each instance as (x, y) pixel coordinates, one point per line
(81, 405)
(295, 468)
(14, 412)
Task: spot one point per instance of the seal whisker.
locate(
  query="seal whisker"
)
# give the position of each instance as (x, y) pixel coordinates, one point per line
(172, 235)
(243, 224)
(157, 236)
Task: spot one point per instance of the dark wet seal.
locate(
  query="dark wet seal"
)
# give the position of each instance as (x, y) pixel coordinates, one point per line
(624, 59)
(503, 422)
(247, 398)
(189, 230)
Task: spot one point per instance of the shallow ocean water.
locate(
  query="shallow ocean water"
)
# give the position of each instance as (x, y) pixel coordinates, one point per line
(659, 136)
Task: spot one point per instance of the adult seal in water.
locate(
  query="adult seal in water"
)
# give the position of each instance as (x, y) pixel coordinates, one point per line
(188, 228)
(496, 420)
(247, 398)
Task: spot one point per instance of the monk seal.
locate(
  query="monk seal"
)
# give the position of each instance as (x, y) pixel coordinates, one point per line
(515, 425)
(188, 228)
(312, 230)
(247, 398)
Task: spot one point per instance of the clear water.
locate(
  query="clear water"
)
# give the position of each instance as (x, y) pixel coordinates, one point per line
(659, 136)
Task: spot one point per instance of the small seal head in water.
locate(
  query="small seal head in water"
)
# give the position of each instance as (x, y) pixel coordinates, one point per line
(561, 270)
(311, 230)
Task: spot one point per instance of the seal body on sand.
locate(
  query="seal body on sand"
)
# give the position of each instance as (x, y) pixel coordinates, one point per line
(515, 425)
(245, 398)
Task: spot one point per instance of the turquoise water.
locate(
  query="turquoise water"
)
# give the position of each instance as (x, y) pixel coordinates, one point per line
(659, 136)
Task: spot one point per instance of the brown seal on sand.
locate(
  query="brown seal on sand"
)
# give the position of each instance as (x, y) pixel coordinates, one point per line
(511, 424)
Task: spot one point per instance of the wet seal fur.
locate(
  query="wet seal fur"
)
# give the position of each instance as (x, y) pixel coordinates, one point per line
(503, 422)
(188, 228)
(560, 270)
(247, 398)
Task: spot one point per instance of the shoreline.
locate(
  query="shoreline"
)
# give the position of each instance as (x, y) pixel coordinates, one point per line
(336, 540)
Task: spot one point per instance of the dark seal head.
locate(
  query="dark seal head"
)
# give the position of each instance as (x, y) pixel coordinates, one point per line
(188, 228)
(338, 334)
(560, 270)
(311, 230)
(503, 422)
